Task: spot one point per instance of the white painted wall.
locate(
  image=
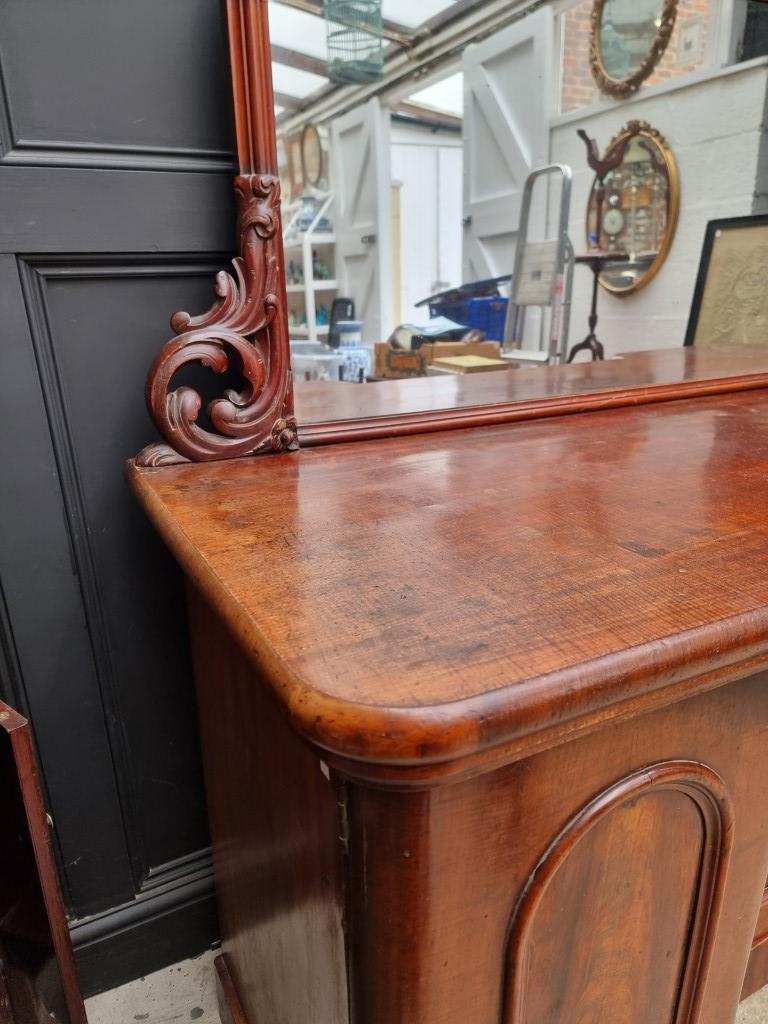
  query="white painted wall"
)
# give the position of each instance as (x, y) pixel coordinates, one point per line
(428, 168)
(714, 127)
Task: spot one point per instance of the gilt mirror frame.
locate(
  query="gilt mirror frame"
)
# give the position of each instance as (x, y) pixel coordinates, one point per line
(646, 130)
(620, 88)
(246, 329)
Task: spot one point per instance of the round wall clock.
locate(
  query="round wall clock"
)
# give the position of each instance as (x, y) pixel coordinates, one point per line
(613, 222)
(311, 155)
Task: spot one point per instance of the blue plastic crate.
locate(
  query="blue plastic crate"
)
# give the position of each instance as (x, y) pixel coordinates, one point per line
(457, 310)
(489, 316)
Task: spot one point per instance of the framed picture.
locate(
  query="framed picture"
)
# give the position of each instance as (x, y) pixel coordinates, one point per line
(730, 301)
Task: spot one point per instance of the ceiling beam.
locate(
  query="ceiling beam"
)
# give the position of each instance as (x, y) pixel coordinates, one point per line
(404, 71)
(436, 118)
(392, 31)
(282, 99)
(302, 61)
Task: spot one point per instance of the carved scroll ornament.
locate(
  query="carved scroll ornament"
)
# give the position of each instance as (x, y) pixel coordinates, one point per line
(247, 324)
(246, 330)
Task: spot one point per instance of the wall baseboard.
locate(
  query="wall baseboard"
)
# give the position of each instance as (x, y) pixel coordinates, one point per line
(164, 924)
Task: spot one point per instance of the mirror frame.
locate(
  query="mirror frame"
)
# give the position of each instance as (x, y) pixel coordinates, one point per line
(250, 319)
(250, 313)
(620, 88)
(673, 205)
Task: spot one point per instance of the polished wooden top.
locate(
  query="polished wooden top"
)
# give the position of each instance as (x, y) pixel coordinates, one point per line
(416, 599)
(319, 401)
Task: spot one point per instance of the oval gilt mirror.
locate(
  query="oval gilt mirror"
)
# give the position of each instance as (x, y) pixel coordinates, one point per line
(629, 38)
(640, 209)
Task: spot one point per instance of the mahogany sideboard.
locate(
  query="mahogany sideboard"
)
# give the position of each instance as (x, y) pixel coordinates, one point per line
(484, 716)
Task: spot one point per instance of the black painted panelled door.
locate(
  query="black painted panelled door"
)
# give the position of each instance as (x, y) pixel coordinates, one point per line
(115, 211)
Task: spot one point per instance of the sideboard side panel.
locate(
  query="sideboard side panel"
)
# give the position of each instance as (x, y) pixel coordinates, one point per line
(274, 829)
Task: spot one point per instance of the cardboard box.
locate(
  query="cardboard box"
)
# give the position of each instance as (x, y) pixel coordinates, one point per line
(467, 364)
(399, 364)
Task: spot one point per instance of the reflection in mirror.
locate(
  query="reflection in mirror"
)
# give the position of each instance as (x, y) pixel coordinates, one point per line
(629, 38)
(327, 296)
(627, 32)
(403, 203)
(639, 212)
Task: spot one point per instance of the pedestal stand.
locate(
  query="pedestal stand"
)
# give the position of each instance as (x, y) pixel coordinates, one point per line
(597, 262)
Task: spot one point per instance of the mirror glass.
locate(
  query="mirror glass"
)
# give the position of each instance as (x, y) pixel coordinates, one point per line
(638, 212)
(627, 32)
(404, 205)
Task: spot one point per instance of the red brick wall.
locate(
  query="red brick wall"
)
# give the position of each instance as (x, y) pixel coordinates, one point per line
(578, 88)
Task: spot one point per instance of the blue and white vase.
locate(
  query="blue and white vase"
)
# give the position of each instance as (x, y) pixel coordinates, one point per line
(355, 355)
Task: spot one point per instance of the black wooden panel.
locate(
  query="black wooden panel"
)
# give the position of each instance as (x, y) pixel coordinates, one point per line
(11, 680)
(102, 327)
(154, 930)
(113, 82)
(115, 188)
(50, 633)
(72, 210)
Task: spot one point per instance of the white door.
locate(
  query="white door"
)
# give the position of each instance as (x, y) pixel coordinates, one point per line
(430, 179)
(363, 220)
(508, 97)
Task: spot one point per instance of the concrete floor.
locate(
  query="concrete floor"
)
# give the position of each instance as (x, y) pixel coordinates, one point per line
(754, 1010)
(187, 992)
(184, 992)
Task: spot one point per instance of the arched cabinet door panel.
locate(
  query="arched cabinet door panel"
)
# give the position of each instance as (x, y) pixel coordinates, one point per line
(645, 860)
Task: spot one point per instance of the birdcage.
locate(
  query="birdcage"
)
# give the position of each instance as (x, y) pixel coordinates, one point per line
(355, 51)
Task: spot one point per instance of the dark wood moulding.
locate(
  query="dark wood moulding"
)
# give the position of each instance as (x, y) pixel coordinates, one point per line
(328, 412)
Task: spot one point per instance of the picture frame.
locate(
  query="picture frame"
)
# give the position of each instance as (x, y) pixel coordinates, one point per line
(730, 299)
(312, 155)
(297, 166)
(668, 201)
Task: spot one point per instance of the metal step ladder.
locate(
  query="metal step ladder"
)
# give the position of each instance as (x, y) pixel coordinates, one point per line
(543, 276)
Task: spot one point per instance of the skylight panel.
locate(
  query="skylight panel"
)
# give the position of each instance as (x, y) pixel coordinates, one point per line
(294, 82)
(413, 13)
(297, 30)
(446, 96)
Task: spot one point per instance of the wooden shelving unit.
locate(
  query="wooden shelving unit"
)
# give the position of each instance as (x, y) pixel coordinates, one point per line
(302, 244)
